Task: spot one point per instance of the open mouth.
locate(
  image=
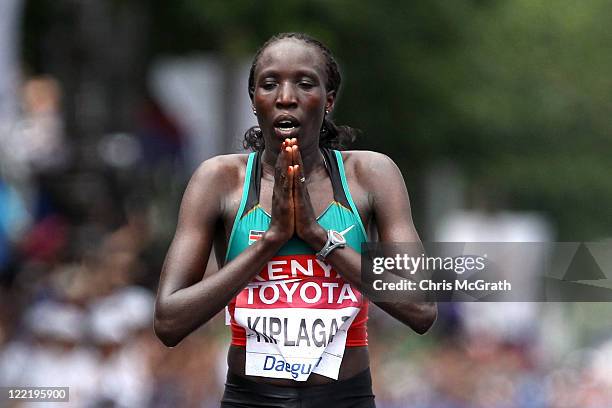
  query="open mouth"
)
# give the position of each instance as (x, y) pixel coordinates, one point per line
(286, 124)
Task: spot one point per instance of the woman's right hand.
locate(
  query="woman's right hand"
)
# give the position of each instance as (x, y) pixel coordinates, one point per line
(282, 225)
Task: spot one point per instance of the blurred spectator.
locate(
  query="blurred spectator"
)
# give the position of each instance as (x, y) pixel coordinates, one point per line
(123, 376)
(55, 354)
(160, 136)
(36, 144)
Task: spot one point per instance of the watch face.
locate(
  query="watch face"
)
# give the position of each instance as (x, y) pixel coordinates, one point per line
(337, 236)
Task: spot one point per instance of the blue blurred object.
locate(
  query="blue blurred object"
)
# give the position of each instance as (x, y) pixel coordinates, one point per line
(12, 215)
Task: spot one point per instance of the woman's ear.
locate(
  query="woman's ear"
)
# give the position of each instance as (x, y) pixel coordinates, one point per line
(329, 102)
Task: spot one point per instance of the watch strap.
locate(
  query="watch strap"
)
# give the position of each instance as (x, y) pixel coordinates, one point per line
(335, 240)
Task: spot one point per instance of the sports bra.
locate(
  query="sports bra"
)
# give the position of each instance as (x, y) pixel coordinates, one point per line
(297, 315)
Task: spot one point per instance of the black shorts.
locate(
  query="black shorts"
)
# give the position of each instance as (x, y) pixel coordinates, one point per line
(355, 392)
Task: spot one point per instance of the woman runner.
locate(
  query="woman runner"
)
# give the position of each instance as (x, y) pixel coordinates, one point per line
(287, 222)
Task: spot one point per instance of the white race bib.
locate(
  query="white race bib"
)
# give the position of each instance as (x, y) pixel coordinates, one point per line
(296, 314)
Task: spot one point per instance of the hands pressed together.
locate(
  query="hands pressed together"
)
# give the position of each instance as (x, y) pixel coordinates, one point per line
(292, 211)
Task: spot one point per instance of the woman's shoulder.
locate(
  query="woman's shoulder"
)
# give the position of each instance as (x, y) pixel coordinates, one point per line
(367, 164)
(226, 161)
(225, 170)
(367, 168)
(361, 156)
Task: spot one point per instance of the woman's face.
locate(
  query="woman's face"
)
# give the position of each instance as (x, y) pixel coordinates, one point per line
(290, 95)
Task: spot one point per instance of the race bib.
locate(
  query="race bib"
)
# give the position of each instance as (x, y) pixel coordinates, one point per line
(296, 314)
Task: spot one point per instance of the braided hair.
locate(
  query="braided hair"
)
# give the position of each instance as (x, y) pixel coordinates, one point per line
(332, 136)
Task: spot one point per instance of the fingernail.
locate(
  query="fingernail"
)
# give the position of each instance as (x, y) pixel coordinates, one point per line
(295, 167)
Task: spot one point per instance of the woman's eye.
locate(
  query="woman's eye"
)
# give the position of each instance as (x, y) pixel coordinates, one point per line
(306, 85)
(268, 85)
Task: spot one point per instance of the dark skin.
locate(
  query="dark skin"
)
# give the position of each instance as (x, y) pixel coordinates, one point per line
(290, 79)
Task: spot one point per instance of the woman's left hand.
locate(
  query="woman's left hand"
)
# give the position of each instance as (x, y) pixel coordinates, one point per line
(306, 225)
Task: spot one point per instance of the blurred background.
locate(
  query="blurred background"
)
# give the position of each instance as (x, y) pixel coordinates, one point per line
(496, 111)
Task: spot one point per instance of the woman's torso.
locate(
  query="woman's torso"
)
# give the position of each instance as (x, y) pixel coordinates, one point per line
(321, 192)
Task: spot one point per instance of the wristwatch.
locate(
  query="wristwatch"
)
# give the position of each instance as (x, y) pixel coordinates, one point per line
(335, 240)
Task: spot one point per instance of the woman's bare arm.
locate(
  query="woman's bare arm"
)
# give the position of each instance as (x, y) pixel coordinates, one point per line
(393, 217)
(390, 206)
(187, 298)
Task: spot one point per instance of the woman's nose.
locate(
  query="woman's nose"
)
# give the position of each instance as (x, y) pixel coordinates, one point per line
(286, 96)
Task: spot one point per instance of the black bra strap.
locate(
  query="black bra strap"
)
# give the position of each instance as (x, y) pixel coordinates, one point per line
(254, 185)
(334, 175)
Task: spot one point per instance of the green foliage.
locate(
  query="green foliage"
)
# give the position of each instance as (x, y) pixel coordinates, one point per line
(536, 92)
(516, 92)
